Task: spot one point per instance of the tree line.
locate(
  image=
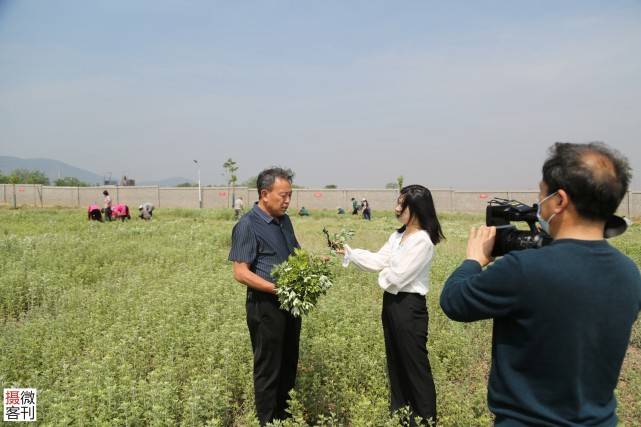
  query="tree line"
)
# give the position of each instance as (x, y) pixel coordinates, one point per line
(27, 176)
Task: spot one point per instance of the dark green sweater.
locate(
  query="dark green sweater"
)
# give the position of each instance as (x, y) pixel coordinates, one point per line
(562, 321)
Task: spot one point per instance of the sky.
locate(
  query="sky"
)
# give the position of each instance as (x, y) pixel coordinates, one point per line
(463, 95)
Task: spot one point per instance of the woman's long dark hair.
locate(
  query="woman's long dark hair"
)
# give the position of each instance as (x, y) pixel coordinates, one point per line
(419, 201)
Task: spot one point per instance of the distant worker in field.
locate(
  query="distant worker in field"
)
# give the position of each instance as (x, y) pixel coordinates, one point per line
(261, 239)
(367, 212)
(120, 211)
(93, 213)
(239, 207)
(563, 313)
(355, 206)
(303, 211)
(403, 265)
(145, 211)
(107, 205)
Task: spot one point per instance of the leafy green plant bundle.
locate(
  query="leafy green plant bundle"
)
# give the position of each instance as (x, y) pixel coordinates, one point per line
(300, 281)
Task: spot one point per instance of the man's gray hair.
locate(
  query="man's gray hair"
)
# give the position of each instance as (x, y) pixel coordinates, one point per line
(595, 176)
(266, 178)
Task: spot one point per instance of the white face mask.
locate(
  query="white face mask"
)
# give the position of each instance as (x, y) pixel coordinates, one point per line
(545, 224)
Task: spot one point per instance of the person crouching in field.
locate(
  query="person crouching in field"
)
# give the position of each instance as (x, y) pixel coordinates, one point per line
(145, 211)
(120, 211)
(93, 213)
(562, 313)
(261, 239)
(404, 264)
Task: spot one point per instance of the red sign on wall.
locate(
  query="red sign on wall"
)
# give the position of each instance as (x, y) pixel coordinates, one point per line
(318, 195)
(21, 189)
(483, 196)
(222, 194)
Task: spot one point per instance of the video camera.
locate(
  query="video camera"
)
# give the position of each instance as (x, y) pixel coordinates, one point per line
(500, 212)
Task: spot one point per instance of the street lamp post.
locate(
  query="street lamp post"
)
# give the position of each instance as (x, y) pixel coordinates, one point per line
(200, 194)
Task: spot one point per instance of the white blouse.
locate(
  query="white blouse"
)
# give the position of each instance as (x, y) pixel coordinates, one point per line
(402, 267)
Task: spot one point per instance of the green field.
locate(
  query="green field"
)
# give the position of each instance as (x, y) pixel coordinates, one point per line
(142, 324)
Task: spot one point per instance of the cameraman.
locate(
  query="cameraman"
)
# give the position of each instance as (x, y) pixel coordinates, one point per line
(562, 313)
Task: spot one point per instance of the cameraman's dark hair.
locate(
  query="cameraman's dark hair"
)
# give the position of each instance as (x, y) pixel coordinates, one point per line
(266, 178)
(419, 200)
(595, 176)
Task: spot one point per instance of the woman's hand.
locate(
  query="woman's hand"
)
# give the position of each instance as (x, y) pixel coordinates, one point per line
(340, 251)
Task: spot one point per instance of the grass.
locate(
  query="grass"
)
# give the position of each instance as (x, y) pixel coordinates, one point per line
(142, 324)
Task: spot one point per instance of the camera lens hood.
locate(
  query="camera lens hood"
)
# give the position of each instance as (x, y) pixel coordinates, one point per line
(614, 226)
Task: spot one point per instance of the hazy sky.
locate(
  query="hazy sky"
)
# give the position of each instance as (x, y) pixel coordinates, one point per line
(353, 93)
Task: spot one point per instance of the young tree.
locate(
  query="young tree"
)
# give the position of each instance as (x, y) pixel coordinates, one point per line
(400, 180)
(231, 167)
(331, 186)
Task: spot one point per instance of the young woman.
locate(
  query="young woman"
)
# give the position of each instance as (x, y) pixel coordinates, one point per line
(403, 264)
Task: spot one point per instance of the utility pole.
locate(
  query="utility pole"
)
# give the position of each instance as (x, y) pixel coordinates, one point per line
(200, 194)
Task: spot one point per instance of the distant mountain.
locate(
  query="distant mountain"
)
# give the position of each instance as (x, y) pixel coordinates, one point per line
(52, 168)
(55, 169)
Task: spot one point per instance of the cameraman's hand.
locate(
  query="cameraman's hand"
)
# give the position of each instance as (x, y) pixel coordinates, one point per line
(480, 244)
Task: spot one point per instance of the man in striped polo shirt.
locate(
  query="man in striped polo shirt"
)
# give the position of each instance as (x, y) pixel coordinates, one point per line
(261, 239)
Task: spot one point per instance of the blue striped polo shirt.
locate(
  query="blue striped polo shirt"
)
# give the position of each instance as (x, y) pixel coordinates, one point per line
(262, 241)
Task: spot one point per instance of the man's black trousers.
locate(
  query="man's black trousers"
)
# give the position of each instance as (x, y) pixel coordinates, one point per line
(275, 335)
(405, 321)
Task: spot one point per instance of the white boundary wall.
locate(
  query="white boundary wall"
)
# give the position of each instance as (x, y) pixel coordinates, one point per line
(221, 197)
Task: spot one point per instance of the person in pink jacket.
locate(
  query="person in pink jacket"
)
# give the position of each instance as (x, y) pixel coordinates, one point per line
(93, 213)
(120, 211)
